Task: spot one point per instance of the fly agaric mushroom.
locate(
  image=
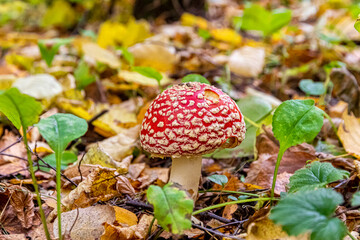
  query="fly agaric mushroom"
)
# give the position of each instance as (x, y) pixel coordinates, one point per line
(185, 122)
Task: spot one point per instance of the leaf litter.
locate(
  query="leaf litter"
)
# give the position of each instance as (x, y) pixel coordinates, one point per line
(96, 61)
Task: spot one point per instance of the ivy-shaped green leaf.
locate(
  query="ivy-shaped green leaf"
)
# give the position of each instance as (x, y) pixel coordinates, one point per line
(148, 72)
(315, 175)
(21, 109)
(82, 75)
(172, 208)
(310, 211)
(66, 159)
(310, 87)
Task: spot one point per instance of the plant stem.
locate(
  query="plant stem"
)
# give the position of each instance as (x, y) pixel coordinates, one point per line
(251, 122)
(278, 160)
(234, 192)
(326, 84)
(36, 186)
(229, 203)
(350, 235)
(58, 155)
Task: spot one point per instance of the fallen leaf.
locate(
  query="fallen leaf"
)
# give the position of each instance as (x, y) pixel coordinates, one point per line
(64, 18)
(124, 186)
(346, 88)
(22, 201)
(124, 216)
(265, 229)
(97, 53)
(156, 55)
(229, 210)
(247, 61)
(226, 35)
(86, 223)
(349, 134)
(10, 165)
(99, 185)
(150, 175)
(135, 232)
(188, 19)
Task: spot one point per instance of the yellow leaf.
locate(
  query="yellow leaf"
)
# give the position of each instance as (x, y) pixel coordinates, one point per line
(110, 34)
(265, 229)
(349, 134)
(59, 14)
(114, 34)
(226, 35)
(20, 61)
(100, 54)
(188, 19)
(125, 216)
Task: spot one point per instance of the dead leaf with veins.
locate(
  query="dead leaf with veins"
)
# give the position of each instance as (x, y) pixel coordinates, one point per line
(349, 134)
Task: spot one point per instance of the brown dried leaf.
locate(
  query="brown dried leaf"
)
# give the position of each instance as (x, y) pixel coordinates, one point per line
(124, 216)
(124, 186)
(135, 232)
(229, 210)
(87, 223)
(21, 200)
(349, 134)
(346, 88)
(150, 175)
(10, 165)
(100, 185)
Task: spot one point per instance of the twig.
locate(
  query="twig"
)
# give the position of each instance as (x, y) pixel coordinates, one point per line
(14, 143)
(53, 168)
(216, 233)
(97, 116)
(231, 223)
(81, 177)
(212, 215)
(14, 156)
(139, 204)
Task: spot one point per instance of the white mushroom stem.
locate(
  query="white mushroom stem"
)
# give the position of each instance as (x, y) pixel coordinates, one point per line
(186, 171)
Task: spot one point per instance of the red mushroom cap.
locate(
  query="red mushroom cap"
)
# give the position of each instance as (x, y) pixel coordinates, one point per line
(191, 119)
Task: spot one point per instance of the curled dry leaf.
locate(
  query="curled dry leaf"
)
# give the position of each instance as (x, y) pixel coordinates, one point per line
(349, 134)
(137, 78)
(124, 186)
(247, 61)
(261, 171)
(346, 88)
(21, 202)
(100, 185)
(135, 232)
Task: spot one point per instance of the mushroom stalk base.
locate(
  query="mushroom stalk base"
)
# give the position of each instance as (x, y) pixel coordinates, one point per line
(186, 171)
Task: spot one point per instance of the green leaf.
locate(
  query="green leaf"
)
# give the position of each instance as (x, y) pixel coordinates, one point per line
(256, 109)
(49, 48)
(205, 34)
(21, 109)
(129, 57)
(66, 159)
(296, 121)
(333, 64)
(172, 208)
(355, 201)
(310, 87)
(60, 129)
(315, 175)
(82, 75)
(310, 211)
(148, 72)
(219, 179)
(257, 18)
(357, 24)
(195, 78)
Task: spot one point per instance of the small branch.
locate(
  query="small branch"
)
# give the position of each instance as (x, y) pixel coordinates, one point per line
(11, 145)
(216, 233)
(139, 204)
(212, 215)
(231, 223)
(233, 192)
